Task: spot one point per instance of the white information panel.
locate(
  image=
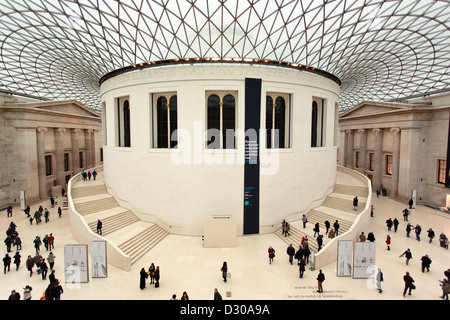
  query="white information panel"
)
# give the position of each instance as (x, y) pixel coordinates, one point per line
(344, 258)
(363, 259)
(99, 261)
(76, 263)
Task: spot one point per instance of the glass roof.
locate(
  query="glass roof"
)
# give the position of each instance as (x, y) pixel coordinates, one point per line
(380, 50)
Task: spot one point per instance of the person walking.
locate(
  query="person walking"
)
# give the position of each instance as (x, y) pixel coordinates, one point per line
(389, 224)
(99, 227)
(51, 241)
(396, 223)
(336, 228)
(17, 257)
(405, 214)
(409, 283)
(57, 290)
(44, 268)
(316, 229)
(51, 260)
(355, 203)
(27, 292)
(418, 230)
(37, 244)
(291, 253)
(319, 242)
(327, 226)
(388, 242)
(301, 266)
(287, 228)
(151, 272)
(157, 276)
(94, 174)
(30, 264)
(6, 263)
(217, 295)
(224, 270)
(426, 263)
(445, 288)
(143, 275)
(379, 280)
(430, 234)
(407, 254)
(304, 220)
(271, 252)
(320, 279)
(409, 227)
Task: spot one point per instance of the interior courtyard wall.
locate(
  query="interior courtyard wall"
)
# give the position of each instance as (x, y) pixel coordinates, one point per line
(183, 187)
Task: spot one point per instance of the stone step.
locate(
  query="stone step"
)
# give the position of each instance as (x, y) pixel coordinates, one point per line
(81, 192)
(343, 204)
(351, 190)
(115, 222)
(93, 206)
(295, 238)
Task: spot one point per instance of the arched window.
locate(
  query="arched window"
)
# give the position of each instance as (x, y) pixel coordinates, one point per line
(165, 120)
(317, 123)
(126, 124)
(161, 123)
(277, 121)
(221, 121)
(123, 122)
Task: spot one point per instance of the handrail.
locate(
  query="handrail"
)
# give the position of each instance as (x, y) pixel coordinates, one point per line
(83, 233)
(328, 253)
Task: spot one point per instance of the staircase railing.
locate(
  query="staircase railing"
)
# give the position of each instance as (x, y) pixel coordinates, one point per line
(84, 235)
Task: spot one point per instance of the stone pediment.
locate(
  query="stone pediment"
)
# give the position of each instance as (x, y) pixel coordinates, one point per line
(373, 108)
(68, 107)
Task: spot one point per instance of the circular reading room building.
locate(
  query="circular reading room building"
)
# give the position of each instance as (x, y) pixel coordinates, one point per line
(190, 140)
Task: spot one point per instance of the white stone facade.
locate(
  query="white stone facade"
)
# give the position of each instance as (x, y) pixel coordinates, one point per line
(181, 187)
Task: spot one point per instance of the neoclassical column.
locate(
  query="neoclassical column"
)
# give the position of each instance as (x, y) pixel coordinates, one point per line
(75, 136)
(59, 156)
(88, 147)
(40, 132)
(395, 161)
(349, 141)
(378, 157)
(362, 150)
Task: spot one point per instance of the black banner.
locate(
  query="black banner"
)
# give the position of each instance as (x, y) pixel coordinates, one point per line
(251, 166)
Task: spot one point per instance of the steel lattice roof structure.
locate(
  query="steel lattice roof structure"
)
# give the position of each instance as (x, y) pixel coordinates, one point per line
(380, 50)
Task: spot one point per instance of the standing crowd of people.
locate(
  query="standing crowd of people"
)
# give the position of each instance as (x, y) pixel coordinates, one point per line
(37, 261)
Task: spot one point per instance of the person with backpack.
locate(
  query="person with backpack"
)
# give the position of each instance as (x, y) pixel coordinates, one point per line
(320, 279)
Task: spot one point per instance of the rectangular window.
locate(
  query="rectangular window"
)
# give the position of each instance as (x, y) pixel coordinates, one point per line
(66, 162)
(442, 165)
(389, 164)
(371, 161)
(278, 123)
(318, 123)
(357, 159)
(48, 165)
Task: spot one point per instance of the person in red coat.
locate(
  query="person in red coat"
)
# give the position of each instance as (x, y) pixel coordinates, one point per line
(388, 242)
(271, 252)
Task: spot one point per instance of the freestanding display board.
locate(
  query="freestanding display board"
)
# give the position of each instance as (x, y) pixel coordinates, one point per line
(76, 263)
(363, 259)
(99, 259)
(344, 258)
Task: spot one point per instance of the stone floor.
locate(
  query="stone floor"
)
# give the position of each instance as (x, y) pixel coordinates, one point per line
(187, 266)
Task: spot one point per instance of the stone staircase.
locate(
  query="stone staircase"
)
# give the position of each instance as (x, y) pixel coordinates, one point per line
(337, 206)
(119, 225)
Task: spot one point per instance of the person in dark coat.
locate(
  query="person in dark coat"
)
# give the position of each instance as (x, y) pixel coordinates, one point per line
(157, 276)
(271, 252)
(320, 279)
(6, 263)
(396, 223)
(99, 227)
(224, 270)
(57, 290)
(301, 266)
(408, 255)
(426, 262)
(409, 283)
(291, 253)
(336, 228)
(327, 226)
(319, 242)
(17, 257)
(389, 224)
(143, 277)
